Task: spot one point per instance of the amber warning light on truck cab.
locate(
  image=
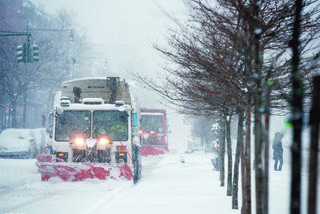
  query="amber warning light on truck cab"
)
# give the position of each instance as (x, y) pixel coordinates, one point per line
(60, 155)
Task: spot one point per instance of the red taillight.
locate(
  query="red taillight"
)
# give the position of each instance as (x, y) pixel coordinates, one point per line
(79, 141)
(104, 141)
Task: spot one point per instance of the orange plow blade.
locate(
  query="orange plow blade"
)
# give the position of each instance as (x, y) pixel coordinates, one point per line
(82, 171)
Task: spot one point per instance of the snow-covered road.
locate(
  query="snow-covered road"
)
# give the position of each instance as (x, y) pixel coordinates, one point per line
(168, 186)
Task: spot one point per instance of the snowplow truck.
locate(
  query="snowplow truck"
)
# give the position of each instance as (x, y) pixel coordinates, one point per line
(94, 133)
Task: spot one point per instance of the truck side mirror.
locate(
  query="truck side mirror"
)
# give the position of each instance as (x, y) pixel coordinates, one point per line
(135, 119)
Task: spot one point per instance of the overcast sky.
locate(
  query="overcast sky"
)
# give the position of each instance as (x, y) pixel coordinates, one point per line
(124, 31)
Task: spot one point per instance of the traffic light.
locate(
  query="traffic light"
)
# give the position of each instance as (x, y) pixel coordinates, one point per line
(27, 53)
(35, 53)
(21, 53)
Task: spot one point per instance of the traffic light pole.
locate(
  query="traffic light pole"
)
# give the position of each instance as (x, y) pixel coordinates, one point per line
(28, 52)
(24, 52)
(34, 49)
(24, 57)
(53, 30)
(16, 34)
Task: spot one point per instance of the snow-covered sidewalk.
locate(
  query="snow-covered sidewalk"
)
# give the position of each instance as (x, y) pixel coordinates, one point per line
(175, 187)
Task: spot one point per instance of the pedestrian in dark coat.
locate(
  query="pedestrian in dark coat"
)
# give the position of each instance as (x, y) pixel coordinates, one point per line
(277, 151)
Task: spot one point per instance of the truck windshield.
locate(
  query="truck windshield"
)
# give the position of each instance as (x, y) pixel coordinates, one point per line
(72, 123)
(151, 123)
(111, 123)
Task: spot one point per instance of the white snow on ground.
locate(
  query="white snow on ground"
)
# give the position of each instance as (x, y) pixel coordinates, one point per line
(167, 186)
(174, 187)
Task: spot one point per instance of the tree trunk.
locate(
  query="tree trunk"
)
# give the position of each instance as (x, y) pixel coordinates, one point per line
(258, 54)
(266, 152)
(237, 160)
(258, 160)
(221, 151)
(243, 177)
(296, 112)
(229, 153)
(314, 145)
(246, 175)
(247, 156)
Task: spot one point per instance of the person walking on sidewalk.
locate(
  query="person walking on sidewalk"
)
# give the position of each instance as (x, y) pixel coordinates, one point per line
(277, 151)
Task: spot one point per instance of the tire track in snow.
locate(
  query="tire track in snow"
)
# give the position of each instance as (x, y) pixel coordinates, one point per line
(106, 201)
(33, 198)
(149, 164)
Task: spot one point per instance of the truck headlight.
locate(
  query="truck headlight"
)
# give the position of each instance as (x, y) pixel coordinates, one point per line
(104, 141)
(79, 141)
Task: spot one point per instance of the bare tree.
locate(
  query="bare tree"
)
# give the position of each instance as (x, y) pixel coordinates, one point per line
(224, 58)
(25, 81)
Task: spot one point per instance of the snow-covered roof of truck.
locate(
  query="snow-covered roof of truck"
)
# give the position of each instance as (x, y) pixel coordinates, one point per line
(98, 87)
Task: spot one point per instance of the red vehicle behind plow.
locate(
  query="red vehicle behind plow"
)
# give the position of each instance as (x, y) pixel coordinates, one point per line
(153, 132)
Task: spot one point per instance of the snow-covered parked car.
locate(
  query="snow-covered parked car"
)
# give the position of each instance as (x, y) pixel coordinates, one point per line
(18, 143)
